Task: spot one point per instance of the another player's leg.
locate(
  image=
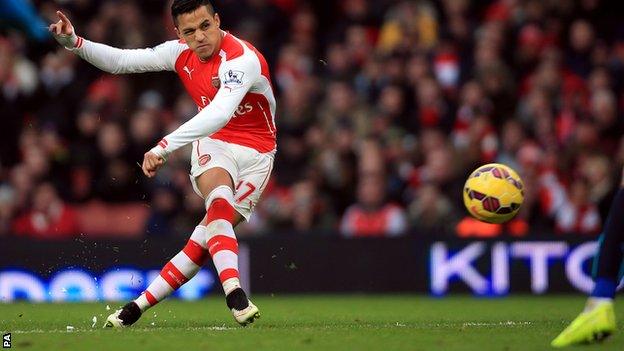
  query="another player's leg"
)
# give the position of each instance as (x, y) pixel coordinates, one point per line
(223, 247)
(180, 269)
(597, 321)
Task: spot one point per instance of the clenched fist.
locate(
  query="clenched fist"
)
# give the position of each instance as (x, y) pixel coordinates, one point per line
(151, 164)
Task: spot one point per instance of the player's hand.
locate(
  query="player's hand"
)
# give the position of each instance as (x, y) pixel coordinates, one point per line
(63, 31)
(151, 164)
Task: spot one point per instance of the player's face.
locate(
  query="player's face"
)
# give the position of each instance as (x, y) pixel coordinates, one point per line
(200, 30)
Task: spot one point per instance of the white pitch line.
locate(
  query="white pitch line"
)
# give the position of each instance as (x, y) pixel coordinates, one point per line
(499, 324)
(89, 330)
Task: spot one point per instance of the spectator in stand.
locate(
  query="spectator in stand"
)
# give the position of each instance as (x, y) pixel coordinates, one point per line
(7, 208)
(302, 208)
(432, 211)
(597, 170)
(341, 108)
(117, 181)
(372, 215)
(48, 218)
(577, 214)
(161, 219)
(18, 81)
(581, 43)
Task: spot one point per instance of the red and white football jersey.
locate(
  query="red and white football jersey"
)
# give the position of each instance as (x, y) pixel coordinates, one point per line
(232, 89)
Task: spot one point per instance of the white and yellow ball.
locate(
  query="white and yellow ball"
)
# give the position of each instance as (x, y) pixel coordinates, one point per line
(493, 193)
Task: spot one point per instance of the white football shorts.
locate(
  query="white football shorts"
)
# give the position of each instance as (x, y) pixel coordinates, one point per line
(249, 169)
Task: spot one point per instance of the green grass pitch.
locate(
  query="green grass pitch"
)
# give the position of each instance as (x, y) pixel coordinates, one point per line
(308, 322)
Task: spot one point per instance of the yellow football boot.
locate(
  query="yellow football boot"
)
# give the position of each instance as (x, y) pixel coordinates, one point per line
(589, 327)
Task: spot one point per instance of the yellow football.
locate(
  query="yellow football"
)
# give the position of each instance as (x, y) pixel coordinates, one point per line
(493, 193)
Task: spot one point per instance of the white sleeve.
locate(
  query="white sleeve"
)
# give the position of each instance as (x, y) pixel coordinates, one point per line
(114, 60)
(237, 77)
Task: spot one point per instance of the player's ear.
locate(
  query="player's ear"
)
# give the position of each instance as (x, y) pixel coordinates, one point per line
(178, 32)
(217, 20)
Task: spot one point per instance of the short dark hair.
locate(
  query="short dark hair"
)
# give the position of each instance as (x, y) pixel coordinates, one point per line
(179, 7)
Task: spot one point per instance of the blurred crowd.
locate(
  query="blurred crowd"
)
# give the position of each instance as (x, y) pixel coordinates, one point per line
(384, 108)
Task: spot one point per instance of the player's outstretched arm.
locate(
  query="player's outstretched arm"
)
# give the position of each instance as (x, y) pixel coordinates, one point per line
(114, 60)
(237, 77)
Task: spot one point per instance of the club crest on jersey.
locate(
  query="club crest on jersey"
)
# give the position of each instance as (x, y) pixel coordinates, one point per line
(233, 79)
(216, 82)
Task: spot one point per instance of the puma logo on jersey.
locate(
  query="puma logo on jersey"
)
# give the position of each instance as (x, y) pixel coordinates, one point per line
(186, 69)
